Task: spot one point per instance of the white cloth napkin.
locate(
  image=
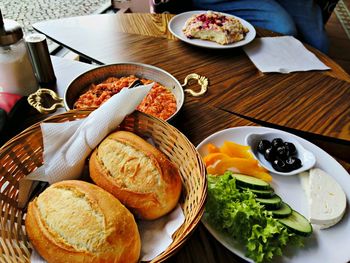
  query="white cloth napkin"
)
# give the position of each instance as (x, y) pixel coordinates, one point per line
(66, 146)
(282, 54)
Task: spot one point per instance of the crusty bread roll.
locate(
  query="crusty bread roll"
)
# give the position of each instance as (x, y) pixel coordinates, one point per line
(75, 221)
(137, 173)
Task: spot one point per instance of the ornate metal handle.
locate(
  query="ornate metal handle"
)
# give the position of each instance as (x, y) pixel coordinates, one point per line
(35, 100)
(202, 81)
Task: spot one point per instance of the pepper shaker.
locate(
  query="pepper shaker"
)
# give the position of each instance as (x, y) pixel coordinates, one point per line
(40, 57)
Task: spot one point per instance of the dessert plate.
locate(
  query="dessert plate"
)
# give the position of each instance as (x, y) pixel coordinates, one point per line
(321, 245)
(177, 23)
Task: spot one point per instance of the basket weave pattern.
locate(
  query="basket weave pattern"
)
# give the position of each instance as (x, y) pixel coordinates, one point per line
(23, 154)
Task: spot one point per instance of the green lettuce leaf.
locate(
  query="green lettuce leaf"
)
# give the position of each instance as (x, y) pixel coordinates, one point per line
(237, 214)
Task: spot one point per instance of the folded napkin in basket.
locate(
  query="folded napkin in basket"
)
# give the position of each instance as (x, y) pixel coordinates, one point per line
(68, 144)
(282, 54)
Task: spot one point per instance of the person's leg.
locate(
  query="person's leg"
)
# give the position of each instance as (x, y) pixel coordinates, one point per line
(266, 14)
(307, 16)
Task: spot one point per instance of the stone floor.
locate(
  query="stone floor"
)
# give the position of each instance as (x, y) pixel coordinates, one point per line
(28, 12)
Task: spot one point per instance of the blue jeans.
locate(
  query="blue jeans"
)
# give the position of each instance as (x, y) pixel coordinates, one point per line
(299, 18)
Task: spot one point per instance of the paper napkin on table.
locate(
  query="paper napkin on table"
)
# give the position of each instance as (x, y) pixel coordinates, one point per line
(282, 54)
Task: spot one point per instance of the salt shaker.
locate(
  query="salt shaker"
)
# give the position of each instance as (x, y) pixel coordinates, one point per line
(16, 71)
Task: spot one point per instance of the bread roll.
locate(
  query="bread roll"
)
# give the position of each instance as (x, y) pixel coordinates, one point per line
(137, 173)
(75, 221)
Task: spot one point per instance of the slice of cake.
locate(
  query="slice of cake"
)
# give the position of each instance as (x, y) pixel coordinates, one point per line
(216, 27)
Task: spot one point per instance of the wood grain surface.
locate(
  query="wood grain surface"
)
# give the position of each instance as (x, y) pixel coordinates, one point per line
(302, 101)
(197, 119)
(142, 24)
(309, 102)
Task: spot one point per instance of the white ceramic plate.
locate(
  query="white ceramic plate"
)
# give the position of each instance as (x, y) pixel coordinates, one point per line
(328, 245)
(177, 22)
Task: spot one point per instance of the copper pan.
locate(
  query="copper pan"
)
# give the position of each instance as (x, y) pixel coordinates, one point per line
(81, 83)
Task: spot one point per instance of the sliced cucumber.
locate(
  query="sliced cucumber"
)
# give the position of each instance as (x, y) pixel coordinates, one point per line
(261, 193)
(297, 223)
(272, 203)
(251, 182)
(283, 211)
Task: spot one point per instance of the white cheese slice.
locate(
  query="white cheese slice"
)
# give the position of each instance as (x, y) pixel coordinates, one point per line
(327, 201)
(304, 180)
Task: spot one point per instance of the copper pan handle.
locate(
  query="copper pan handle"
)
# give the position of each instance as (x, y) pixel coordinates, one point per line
(202, 81)
(36, 100)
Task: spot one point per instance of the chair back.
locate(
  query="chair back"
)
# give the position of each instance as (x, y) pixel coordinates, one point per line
(327, 7)
(170, 6)
(179, 6)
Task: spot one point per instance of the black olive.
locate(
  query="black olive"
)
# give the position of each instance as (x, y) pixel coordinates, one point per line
(293, 163)
(291, 148)
(263, 145)
(281, 152)
(269, 154)
(298, 163)
(279, 165)
(277, 142)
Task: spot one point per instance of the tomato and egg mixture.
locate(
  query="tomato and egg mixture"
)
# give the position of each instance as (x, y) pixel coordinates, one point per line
(159, 102)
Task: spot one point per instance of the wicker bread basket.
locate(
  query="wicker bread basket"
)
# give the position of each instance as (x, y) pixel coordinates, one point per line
(23, 154)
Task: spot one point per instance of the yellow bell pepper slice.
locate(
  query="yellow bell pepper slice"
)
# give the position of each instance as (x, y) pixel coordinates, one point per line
(234, 157)
(236, 150)
(212, 148)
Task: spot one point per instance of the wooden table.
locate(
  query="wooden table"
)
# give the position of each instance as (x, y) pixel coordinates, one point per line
(194, 117)
(312, 104)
